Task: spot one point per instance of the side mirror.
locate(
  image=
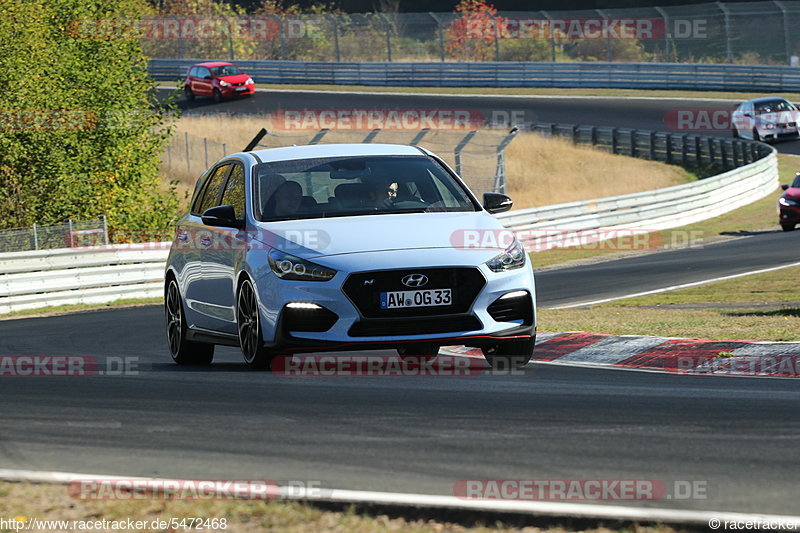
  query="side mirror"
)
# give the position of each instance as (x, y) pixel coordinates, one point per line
(496, 203)
(206, 77)
(222, 215)
(748, 115)
(784, 186)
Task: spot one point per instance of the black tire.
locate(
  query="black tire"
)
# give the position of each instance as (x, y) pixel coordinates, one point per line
(509, 355)
(187, 92)
(756, 136)
(248, 321)
(787, 227)
(418, 353)
(184, 352)
(735, 133)
(217, 96)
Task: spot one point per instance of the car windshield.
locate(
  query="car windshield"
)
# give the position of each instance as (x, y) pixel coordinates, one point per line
(773, 106)
(796, 182)
(225, 70)
(350, 186)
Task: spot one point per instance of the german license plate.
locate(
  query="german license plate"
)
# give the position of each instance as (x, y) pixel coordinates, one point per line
(421, 298)
(241, 88)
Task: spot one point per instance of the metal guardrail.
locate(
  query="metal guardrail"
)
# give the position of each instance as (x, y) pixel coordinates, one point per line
(35, 279)
(92, 275)
(510, 74)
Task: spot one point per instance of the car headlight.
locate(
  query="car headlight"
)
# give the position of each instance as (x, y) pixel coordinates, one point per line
(768, 126)
(513, 257)
(290, 267)
(249, 81)
(788, 203)
(224, 83)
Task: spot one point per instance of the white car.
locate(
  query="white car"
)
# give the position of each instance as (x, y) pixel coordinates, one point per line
(345, 247)
(765, 119)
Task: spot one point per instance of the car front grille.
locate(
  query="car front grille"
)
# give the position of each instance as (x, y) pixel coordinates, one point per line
(415, 326)
(364, 289)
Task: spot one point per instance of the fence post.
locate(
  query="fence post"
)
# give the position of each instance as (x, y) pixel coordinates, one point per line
(230, 36)
(440, 32)
(419, 136)
(369, 138)
(786, 39)
(667, 32)
(318, 137)
(496, 40)
(186, 140)
(205, 150)
(609, 51)
(35, 237)
(500, 172)
(552, 35)
(335, 21)
(105, 229)
(388, 27)
(224, 149)
(457, 152)
(69, 232)
(727, 14)
(281, 36)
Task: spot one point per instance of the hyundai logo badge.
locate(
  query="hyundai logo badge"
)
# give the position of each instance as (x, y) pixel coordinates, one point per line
(415, 280)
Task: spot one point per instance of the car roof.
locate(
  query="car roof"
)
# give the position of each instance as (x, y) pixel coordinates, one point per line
(334, 150)
(212, 64)
(766, 99)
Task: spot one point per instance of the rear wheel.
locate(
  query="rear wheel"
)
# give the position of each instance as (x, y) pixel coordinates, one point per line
(510, 355)
(787, 227)
(187, 92)
(248, 320)
(217, 96)
(184, 352)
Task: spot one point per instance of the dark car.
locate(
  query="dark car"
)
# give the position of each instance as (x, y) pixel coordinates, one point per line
(789, 205)
(218, 80)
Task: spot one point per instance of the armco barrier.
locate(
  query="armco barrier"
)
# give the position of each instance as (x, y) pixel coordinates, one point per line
(705, 77)
(30, 280)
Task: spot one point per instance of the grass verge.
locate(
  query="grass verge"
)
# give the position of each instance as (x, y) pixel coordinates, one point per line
(763, 307)
(759, 216)
(66, 309)
(25, 502)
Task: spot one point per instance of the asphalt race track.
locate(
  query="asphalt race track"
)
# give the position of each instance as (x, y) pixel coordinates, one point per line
(737, 437)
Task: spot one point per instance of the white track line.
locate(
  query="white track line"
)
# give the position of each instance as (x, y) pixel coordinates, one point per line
(675, 287)
(560, 509)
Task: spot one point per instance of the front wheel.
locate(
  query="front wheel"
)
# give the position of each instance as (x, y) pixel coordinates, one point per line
(756, 136)
(217, 96)
(184, 352)
(787, 227)
(248, 321)
(510, 355)
(735, 133)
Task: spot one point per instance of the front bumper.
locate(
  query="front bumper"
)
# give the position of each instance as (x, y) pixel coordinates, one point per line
(789, 215)
(230, 92)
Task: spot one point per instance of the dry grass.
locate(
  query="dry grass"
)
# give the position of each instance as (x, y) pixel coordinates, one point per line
(50, 502)
(540, 171)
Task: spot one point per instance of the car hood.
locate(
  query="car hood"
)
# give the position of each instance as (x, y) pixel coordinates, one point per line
(322, 237)
(793, 193)
(238, 78)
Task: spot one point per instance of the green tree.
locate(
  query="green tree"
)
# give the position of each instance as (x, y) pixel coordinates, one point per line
(82, 135)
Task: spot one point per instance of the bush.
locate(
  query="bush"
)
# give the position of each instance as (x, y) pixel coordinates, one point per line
(82, 135)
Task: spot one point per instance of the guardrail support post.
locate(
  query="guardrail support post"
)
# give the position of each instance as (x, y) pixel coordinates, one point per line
(711, 155)
(575, 134)
(613, 140)
(633, 144)
(652, 146)
(684, 149)
(669, 148)
(724, 153)
(698, 153)
(457, 152)
(594, 135)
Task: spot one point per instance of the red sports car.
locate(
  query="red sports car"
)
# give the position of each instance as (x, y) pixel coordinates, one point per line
(218, 80)
(789, 205)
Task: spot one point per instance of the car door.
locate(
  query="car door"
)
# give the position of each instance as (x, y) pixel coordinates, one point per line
(748, 121)
(222, 258)
(203, 82)
(196, 237)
